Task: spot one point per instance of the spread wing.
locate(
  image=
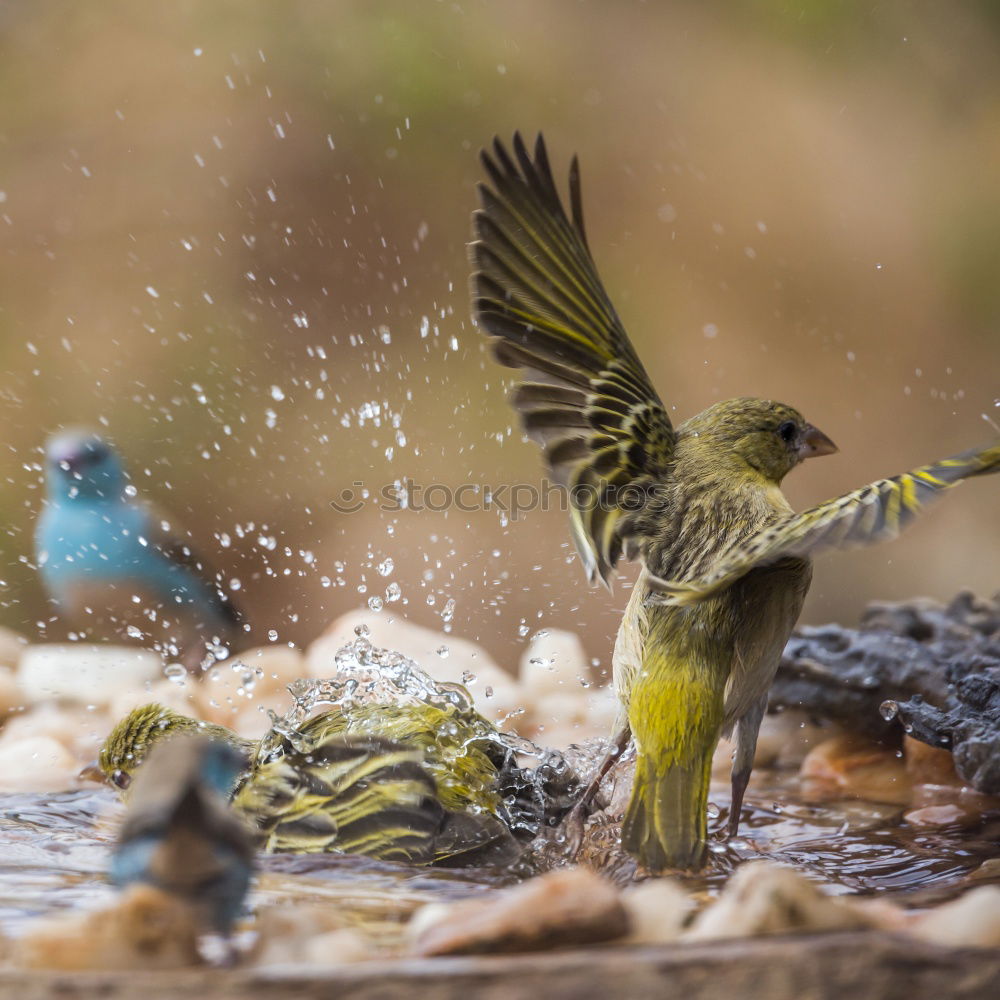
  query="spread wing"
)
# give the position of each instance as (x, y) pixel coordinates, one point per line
(583, 394)
(874, 513)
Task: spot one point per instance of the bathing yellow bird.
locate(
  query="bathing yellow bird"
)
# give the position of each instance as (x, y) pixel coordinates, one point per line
(725, 560)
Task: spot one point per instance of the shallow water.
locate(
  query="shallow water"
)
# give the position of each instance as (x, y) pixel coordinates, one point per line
(54, 851)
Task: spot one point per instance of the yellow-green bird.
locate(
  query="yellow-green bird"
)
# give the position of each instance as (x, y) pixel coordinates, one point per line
(422, 784)
(725, 560)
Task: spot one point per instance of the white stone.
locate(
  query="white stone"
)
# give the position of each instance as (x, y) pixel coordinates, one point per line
(336, 948)
(972, 921)
(223, 697)
(36, 764)
(81, 732)
(88, 674)
(764, 898)
(12, 697)
(602, 710)
(553, 663)
(12, 645)
(496, 693)
(657, 911)
(178, 696)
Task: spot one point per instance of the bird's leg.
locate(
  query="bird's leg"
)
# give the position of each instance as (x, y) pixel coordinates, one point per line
(746, 746)
(573, 824)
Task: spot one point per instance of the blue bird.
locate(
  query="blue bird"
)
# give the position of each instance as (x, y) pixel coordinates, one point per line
(114, 561)
(181, 836)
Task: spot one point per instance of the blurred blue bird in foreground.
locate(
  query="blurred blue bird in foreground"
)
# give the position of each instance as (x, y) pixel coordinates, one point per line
(180, 835)
(108, 558)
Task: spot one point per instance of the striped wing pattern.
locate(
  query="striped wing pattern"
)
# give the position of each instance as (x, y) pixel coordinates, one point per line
(583, 395)
(353, 796)
(874, 513)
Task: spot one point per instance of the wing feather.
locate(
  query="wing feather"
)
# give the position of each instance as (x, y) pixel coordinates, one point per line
(877, 512)
(584, 395)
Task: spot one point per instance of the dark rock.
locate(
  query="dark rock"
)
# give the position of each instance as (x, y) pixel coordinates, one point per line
(930, 669)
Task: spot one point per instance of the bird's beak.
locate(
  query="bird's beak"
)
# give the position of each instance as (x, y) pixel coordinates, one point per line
(815, 443)
(93, 772)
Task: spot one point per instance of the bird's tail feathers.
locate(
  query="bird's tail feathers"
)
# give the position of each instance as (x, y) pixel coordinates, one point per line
(665, 824)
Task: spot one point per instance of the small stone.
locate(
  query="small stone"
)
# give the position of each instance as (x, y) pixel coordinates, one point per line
(849, 767)
(84, 673)
(928, 765)
(945, 815)
(36, 764)
(885, 915)
(966, 805)
(143, 929)
(787, 737)
(286, 934)
(238, 691)
(12, 697)
(12, 646)
(553, 664)
(559, 909)
(422, 644)
(972, 921)
(81, 732)
(602, 710)
(763, 898)
(657, 911)
(336, 948)
(181, 698)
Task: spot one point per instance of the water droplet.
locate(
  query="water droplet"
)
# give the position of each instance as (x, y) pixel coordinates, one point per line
(393, 592)
(443, 651)
(175, 672)
(385, 567)
(888, 710)
(375, 602)
(272, 634)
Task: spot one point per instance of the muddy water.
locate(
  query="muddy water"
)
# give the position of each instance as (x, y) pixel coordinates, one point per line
(54, 852)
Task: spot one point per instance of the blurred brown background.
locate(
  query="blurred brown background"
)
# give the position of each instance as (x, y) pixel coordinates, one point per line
(233, 234)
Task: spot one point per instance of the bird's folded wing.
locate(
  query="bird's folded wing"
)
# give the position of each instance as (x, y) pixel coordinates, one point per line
(874, 513)
(584, 396)
(349, 795)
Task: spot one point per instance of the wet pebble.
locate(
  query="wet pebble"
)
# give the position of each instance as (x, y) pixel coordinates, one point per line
(657, 911)
(306, 935)
(143, 929)
(928, 765)
(972, 921)
(763, 898)
(560, 909)
(849, 767)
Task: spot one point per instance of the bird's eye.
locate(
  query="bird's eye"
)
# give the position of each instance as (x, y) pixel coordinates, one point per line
(120, 779)
(787, 431)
